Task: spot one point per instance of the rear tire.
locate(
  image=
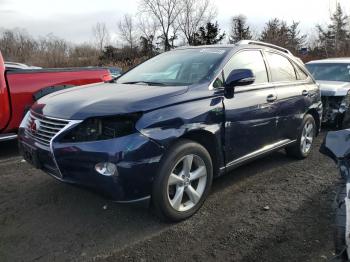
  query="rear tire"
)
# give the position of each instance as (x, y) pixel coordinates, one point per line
(302, 148)
(183, 182)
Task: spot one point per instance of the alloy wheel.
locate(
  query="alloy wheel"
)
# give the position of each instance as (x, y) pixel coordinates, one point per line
(307, 137)
(187, 182)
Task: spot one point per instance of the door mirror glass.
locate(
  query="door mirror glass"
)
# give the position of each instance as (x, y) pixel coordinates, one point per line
(240, 77)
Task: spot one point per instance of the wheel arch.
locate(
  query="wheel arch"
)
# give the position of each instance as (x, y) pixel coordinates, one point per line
(211, 143)
(314, 113)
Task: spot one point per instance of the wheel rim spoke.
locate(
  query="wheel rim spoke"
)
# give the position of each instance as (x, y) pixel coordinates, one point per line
(309, 129)
(198, 173)
(177, 200)
(175, 180)
(192, 194)
(187, 164)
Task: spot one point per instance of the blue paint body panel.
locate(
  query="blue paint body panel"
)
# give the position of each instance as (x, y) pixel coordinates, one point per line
(237, 126)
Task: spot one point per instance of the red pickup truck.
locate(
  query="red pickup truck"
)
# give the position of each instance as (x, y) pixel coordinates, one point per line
(20, 88)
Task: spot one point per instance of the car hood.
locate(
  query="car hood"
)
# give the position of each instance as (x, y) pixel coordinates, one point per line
(334, 88)
(105, 99)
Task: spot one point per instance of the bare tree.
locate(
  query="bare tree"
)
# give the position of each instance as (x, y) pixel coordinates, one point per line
(165, 12)
(128, 30)
(53, 51)
(17, 45)
(148, 28)
(101, 35)
(195, 13)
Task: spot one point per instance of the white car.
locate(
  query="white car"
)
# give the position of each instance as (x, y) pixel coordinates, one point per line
(333, 76)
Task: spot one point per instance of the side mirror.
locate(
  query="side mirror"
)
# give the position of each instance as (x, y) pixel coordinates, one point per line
(238, 77)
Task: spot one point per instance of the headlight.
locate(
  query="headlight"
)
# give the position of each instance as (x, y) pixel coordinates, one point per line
(104, 128)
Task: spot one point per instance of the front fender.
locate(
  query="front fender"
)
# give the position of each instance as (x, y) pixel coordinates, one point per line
(170, 123)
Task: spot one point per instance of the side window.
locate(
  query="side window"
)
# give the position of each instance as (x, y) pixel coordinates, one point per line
(300, 73)
(219, 81)
(280, 67)
(252, 60)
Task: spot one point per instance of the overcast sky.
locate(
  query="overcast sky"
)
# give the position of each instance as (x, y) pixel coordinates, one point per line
(73, 19)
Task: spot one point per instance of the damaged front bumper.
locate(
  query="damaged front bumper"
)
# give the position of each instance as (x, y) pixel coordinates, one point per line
(335, 108)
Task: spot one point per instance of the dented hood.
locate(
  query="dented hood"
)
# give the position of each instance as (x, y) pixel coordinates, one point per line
(107, 99)
(334, 88)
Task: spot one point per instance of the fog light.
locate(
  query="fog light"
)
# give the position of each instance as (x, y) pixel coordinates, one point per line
(106, 169)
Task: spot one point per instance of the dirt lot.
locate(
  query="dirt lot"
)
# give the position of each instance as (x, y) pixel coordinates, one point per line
(44, 220)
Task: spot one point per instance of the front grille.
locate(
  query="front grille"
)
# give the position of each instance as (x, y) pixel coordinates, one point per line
(42, 129)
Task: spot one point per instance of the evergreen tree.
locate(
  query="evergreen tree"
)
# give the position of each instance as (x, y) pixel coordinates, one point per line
(239, 29)
(334, 40)
(275, 32)
(208, 35)
(295, 39)
(279, 33)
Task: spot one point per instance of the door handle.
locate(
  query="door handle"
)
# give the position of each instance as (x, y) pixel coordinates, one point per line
(305, 93)
(271, 98)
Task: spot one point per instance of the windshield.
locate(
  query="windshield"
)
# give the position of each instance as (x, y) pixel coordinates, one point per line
(179, 67)
(330, 72)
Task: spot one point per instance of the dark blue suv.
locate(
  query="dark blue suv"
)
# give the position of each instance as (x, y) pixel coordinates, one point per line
(171, 124)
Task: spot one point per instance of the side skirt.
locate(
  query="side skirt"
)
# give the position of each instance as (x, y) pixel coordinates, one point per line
(256, 154)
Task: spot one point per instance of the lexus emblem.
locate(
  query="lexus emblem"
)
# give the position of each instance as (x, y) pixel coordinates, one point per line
(34, 126)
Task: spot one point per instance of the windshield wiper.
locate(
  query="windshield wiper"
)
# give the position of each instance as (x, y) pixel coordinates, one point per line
(145, 82)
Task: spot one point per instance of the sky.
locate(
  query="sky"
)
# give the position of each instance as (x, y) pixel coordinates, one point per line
(74, 19)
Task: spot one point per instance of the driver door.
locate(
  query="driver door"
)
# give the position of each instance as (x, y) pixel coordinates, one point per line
(250, 116)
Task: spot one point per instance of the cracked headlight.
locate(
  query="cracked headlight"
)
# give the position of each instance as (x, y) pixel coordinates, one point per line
(103, 128)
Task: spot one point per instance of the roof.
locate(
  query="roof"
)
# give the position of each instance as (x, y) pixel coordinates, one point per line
(338, 60)
(206, 46)
(242, 43)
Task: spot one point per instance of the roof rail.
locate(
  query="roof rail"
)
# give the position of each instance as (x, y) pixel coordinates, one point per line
(252, 42)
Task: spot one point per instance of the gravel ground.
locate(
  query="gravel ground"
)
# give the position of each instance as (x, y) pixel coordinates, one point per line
(274, 209)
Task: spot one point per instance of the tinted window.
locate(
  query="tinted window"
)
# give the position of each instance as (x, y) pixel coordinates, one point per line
(280, 67)
(330, 72)
(178, 67)
(252, 60)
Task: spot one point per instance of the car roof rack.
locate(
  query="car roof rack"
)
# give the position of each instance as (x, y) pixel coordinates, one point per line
(252, 42)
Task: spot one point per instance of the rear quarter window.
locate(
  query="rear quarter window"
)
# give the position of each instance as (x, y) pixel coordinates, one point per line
(301, 75)
(281, 68)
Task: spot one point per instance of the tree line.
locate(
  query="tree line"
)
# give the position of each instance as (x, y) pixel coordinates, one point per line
(161, 25)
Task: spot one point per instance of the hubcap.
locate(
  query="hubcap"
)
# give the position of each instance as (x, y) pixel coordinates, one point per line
(307, 137)
(187, 182)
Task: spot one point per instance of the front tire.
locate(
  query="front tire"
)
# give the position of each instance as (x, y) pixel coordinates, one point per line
(183, 182)
(302, 148)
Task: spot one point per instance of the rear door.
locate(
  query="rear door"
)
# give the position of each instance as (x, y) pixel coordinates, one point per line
(291, 92)
(250, 116)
